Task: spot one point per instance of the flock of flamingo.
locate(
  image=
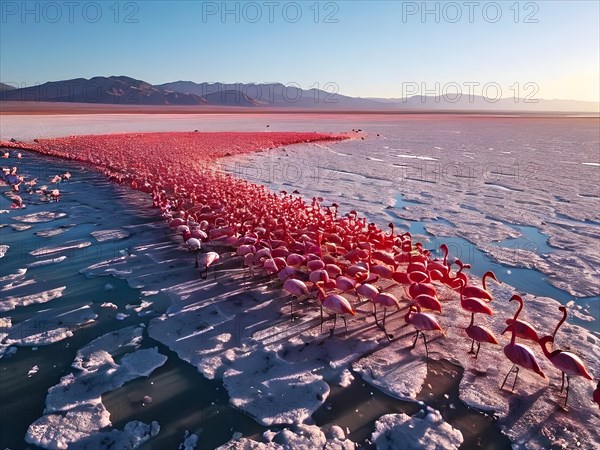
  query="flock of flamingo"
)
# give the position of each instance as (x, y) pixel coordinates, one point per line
(339, 261)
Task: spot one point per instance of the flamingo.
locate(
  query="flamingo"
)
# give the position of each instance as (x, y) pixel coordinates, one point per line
(474, 304)
(568, 363)
(523, 329)
(441, 266)
(386, 300)
(297, 289)
(429, 302)
(335, 303)
(422, 322)
(206, 259)
(366, 290)
(480, 292)
(520, 355)
(479, 334)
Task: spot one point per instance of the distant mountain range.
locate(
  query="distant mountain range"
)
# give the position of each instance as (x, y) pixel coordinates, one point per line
(122, 90)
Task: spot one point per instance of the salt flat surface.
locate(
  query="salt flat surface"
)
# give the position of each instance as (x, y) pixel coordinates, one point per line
(39, 217)
(11, 302)
(301, 437)
(109, 235)
(430, 432)
(47, 327)
(59, 249)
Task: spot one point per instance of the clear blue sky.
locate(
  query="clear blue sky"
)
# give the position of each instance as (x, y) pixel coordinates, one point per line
(365, 48)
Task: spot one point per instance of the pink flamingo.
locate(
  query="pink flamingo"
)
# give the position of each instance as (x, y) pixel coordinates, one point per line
(296, 288)
(422, 322)
(205, 260)
(441, 266)
(386, 300)
(366, 290)
(523, 329)
(479, 334)
(428, 302)
(568, 363)
(473, 304)
(335, 303)
(480, 292)
(520, 355)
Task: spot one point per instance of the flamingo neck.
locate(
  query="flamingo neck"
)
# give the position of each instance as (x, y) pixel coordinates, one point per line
(543, 343)
(518, 309)
(446, 255)
(560, 323)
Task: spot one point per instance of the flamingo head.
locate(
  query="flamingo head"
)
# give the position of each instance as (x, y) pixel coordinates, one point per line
(517, 298)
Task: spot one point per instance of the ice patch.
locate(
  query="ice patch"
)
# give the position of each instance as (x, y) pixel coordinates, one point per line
(19, 274)
(121, 316)
(3, 250)
(300, 437)
(346, 378)
(35, 369)
(399, 374)
(595, 164)
(61, 248)
(17, 284)
(12, 302)
(74, 412)
(39, 217)
(423, 431)
(45, 262)
(189, 441)
(18, 227)
(50, 232)
(139, 308)
(109, 235)
(424, 158)
(263, 385)
(109, 305)
(47, 327)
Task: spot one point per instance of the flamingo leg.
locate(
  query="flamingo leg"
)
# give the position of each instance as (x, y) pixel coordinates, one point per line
(425, 342)
(415, 341)
(334, 322)
(516, 376)
(375, 313)
(568, 384)
(506, 377)
(345, 324)
(196, 266)
(321, 318)
(292, 309)
(478, 347)
(563, 382)
(470, 352)
(384, 314)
